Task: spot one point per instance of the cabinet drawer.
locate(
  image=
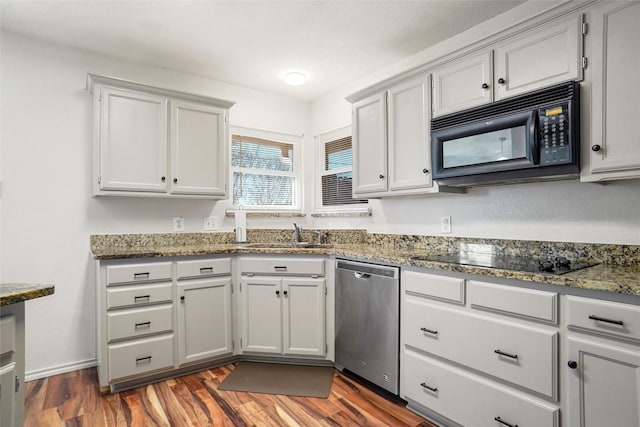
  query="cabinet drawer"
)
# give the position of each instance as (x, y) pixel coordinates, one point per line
(431, 285)
(516, 353)
(528, 303)
(139, 321)
(140, 356)
(282, 266)
(451, 387)
(7, 335)
(604, 317)
(138, 272)
(203, 268)
(120, 296)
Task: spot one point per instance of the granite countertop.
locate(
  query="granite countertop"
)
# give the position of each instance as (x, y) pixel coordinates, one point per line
(12, 293)
(622, 279)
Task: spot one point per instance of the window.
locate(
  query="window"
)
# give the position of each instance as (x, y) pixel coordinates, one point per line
(336, 170)
(265, 170)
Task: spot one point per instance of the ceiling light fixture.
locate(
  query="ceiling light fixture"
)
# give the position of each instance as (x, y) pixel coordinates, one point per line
(295, 78)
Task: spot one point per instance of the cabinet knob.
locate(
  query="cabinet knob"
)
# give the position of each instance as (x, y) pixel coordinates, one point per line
(595, 147)
(285, 293)
(572, 364)
(381, 176)
(485, 86)
(278, 293)
(163, 179)
(182, 298)
(501, 81)
(425, 170)
(175, 180)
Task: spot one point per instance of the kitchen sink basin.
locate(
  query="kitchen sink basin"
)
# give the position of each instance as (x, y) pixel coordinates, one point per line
(274, 245)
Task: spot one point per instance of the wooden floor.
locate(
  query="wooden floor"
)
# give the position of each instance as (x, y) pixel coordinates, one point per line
(73, 399)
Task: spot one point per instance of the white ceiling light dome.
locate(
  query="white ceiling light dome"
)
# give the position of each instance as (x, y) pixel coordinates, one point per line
(295, 78)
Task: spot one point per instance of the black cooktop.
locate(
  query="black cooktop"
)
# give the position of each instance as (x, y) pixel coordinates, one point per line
(557, 265)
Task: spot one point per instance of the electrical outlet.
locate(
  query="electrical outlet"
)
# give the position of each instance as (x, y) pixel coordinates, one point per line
(209, 223)
(445, 224)
(178, 223)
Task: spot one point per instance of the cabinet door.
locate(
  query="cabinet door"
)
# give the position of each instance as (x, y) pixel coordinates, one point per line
(204, 319)
(409, 144)
(7, 395)
(604, 388)
(133, 141)
(463, 84)
(542, 57)
(304, 316)
(616, 87)
(198, 148)
(261, 314)
(370, 145)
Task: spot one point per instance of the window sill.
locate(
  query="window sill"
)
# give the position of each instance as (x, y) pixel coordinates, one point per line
(342, 213)
(266, 214)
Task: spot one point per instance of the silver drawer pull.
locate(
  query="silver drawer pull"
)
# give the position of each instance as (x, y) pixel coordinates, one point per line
(501, 421)
(206, 270)
(424, 385)
(146, 359)
(602, 319)
(280, 268)
(429, 331)
(143, 325)
(502, 353)
(140, 276)
(141, 297)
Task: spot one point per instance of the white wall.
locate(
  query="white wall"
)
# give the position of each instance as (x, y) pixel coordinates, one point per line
(47, 211)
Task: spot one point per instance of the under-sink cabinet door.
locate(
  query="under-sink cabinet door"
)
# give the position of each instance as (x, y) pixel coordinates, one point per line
(204, 319)
(303, 309)
(261, 314)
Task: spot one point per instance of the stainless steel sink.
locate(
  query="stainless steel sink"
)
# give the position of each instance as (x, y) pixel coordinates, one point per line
(275, 245)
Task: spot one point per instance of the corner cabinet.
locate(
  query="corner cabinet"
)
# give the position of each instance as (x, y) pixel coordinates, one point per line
(154, 142)
(391, 141)
(614, 151)
(283, 306)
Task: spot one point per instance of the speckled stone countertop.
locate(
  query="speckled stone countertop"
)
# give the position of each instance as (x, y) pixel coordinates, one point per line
(618, 269)
(12, 293)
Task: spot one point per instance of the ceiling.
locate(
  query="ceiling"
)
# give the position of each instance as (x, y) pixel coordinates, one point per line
(254, 43)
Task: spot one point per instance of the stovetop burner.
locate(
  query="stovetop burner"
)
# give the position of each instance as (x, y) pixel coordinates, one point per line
(558, 265)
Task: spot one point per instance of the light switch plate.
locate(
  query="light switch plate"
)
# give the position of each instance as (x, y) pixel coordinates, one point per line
(209, 223)
(445, 224)
(178, 223)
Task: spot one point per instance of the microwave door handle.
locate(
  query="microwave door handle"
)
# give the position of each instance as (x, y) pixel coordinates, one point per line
(534, 137)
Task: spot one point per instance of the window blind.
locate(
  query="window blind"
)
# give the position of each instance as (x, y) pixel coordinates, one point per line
(337, 186)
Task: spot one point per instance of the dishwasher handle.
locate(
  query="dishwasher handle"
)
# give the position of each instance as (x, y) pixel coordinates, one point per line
(361, 275)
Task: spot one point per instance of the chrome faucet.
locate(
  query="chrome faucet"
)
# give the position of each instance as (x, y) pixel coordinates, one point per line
(297, 234)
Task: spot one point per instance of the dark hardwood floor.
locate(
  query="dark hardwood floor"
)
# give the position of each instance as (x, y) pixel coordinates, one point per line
(74, 399)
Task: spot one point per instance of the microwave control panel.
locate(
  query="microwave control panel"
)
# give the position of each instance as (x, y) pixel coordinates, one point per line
(555, 141)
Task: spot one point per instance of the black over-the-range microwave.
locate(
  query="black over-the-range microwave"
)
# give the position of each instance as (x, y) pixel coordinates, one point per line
(525, 138)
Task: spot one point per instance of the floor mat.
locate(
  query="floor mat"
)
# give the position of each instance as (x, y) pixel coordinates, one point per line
(270, 378)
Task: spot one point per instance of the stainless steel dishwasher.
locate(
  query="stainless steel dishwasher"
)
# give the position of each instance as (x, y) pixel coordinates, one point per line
(368, 322)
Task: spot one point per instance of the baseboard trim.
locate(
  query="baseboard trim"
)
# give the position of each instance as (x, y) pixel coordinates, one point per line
(60, 369)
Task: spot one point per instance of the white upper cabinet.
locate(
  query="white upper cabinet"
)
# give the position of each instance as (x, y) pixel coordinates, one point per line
(537, 58)
(155, 142)
(198, 149)
(614, 149)
(132, 134)
(370, 145)
(463, 84)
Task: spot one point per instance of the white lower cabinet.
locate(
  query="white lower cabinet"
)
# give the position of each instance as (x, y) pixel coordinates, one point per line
(8, 394)
(469, 399)
(283, 312)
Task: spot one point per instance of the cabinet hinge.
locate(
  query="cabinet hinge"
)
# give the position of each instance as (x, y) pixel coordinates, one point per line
(326, 349)
(99, 179)
(240, 343)
(240, 287)
(100, 95)
(17, 384)
(325, 289)
(584, 62)
(585, 28)
(233, 345)
(225, 118)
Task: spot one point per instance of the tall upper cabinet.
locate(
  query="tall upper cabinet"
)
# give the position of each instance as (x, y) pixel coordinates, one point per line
(615, 141)
(154, 142)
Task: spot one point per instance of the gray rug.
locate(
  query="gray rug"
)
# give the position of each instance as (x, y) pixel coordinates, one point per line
(270, 378)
